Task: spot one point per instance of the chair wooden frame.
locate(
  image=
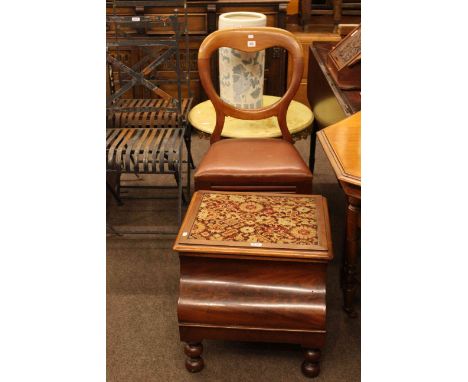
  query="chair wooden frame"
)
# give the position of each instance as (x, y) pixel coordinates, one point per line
(252, 40)
(242, 39)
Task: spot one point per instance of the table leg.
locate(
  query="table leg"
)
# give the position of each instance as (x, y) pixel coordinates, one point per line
(349, 280)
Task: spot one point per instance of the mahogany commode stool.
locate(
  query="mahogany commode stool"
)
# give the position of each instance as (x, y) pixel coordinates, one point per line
(253, 268)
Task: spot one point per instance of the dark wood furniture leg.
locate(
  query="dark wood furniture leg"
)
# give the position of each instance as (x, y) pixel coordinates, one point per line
(311, 366)
(194, 362)
(188, 142)
(313, 144)
(353, 213)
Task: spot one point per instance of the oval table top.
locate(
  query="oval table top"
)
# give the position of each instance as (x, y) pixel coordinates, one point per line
(298, 117)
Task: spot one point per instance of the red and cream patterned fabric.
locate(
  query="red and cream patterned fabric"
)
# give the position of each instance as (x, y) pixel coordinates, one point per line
(256, 218)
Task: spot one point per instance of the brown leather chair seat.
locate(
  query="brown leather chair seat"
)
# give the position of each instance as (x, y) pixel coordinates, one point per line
(258, 164)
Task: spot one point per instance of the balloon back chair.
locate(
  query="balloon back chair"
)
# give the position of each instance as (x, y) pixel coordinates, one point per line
(252, 164)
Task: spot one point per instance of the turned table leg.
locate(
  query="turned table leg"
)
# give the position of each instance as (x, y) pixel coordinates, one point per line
(349, 280)
(194, 362)
(311, 366)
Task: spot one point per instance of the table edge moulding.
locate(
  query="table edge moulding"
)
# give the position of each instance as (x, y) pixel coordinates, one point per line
(336, 140)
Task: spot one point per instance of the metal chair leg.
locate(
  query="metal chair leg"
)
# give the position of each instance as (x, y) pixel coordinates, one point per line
(134, 166)
(178, 179)
(188, 177)
(180, 195)
(188, 144)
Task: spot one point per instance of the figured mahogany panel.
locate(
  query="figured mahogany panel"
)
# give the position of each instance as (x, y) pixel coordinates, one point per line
(252, 294)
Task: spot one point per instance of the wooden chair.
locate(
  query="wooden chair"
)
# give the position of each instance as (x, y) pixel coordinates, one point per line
(252, 163)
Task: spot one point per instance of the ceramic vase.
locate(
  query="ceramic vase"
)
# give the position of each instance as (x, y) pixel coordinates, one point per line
(240, 73)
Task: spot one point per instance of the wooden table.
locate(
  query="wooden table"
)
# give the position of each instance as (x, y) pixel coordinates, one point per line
(342, 144)
(253, 268)
(298, 118)
(329, 103)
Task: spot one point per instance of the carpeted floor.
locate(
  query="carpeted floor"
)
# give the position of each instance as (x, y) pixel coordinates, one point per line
(142, 287)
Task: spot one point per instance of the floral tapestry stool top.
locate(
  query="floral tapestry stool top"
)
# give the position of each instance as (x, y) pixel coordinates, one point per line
(257, 218)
